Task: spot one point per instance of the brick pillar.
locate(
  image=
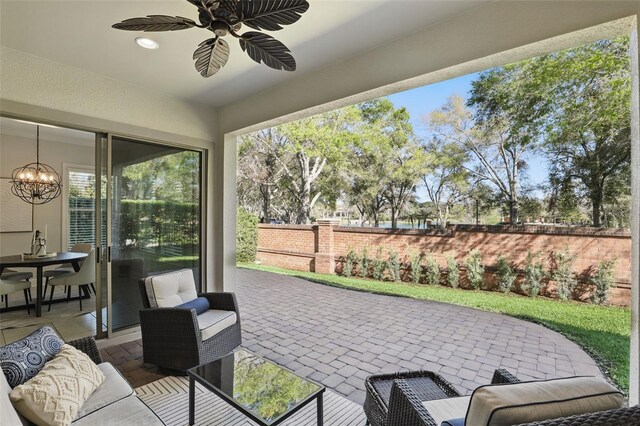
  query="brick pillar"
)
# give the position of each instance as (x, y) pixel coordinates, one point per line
(324, 260)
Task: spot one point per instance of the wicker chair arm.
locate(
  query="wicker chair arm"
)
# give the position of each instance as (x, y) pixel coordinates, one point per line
(89, 347)
(170, 325)
(405, 408)
(617, 417)
(503, 376)
(223, 301)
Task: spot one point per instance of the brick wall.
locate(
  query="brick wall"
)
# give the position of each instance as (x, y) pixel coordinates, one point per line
(296, 246)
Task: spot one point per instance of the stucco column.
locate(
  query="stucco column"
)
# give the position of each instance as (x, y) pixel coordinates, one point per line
(634, 370)
(325, 259)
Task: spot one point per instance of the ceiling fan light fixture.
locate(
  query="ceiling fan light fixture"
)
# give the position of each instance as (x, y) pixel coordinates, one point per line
(228, 17)
(147, 43)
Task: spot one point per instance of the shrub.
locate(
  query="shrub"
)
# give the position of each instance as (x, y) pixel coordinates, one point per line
(364, 263)
(475, 270)
(432, 271)
(533, 274)
(602, 280)
(377, 270)
(347, 269)
(453, 273)
(416, 267)
(393, 264)
(246, 236)
(563, 274)
(506, 275)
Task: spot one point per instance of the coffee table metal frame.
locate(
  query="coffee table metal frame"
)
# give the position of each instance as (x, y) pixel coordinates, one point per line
(194, 377)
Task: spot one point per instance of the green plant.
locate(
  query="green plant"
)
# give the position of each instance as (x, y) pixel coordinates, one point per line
(475, 269)
(246, 236)
(432, 275)
(506, 275)
(533, 274)
(347, 269)
(602, 280)
(453, 273)
(377, 270)
(364, 263)
(416, 267)
(393, 265)
(563, 274)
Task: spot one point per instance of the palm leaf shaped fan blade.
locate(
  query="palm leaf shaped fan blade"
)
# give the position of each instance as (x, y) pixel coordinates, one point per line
(223, 17)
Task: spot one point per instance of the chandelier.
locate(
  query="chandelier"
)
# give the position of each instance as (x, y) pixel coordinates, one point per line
(36, 183)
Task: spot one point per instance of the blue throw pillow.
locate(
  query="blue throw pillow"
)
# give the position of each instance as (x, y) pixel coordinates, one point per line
(453, 422)
(23, 359)
(200, 304)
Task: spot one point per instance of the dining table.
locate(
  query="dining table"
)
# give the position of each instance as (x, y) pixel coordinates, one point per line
(20, 261)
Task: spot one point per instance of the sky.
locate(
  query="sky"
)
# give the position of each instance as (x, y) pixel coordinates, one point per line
(422, 100)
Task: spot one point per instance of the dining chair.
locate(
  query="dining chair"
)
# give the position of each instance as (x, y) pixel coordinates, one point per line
(11, 275)
(83, 278)
(7, 287)
(66, 268)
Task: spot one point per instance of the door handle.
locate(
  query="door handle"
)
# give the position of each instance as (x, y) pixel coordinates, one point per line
(109, 254)
(98, 257)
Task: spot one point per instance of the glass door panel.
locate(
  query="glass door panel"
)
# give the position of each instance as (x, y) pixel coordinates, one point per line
(155, 219)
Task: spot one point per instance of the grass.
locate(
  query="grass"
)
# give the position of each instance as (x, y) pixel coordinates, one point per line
(603, 331)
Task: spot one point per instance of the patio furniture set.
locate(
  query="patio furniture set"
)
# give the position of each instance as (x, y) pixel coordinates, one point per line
(200, 334)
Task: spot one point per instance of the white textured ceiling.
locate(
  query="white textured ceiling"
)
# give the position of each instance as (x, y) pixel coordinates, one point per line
(79, 33)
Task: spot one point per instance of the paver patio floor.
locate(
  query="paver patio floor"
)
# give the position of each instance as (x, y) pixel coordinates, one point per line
(339, 337)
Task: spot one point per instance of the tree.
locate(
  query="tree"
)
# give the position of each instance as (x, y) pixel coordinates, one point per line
(446, 179)
(386, 162)
(383, 161)
(497, 158)
(315, 142)
(261, 160)
(576, 103)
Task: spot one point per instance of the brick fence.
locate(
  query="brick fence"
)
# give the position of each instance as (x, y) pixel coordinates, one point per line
(322, 246)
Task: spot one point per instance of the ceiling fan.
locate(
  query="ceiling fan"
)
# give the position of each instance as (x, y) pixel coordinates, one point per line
(223, 17)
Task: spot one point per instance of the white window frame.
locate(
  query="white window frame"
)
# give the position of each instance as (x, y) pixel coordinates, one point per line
(66, 169)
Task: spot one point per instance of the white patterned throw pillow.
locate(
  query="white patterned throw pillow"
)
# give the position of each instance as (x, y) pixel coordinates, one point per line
(56, 394)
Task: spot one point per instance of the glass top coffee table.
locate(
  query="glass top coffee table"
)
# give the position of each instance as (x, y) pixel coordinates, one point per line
(260, 389)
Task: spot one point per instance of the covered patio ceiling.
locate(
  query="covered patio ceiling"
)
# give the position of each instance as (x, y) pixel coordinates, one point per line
(80, 34)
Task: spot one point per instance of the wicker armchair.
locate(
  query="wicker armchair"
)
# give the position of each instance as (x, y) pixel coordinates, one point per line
(172, 339)
(405, 409)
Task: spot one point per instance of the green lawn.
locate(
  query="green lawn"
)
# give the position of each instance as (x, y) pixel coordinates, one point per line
(603, 331)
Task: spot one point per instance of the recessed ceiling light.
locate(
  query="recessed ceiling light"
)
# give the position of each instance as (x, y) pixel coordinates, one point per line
(147, 43)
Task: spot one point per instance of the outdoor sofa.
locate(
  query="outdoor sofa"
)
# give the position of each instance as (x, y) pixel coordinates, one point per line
(113, 403)
(402, 399)
(181, 328)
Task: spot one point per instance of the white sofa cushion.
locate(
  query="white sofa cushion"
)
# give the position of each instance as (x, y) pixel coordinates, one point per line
(528, 402)
(113, 389)
(9, 414)
(125, 412)
(214, 321)
(448, 408)
(171, 289)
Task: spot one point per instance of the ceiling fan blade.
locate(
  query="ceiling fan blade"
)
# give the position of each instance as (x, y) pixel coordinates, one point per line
(155, 23)
(270, 15)
(210, 56)
(266, 49)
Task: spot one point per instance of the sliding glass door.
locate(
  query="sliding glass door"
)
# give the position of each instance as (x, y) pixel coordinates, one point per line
(154, 225)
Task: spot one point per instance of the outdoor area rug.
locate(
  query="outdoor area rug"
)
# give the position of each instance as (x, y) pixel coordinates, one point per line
(169, 398)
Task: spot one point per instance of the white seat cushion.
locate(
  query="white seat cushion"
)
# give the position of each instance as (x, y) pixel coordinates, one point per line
(125, 412)
(214, 321)
(113, 389)
(528, 402)
(171, 289)
(448, 408)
